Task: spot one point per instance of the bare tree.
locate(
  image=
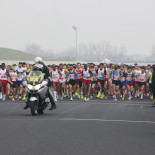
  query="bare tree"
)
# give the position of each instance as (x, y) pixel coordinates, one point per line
(35, 50)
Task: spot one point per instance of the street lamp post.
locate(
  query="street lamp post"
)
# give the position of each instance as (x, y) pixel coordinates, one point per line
(75, 29)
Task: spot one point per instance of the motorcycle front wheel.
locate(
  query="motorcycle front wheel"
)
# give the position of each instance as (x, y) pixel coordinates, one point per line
(33, 108)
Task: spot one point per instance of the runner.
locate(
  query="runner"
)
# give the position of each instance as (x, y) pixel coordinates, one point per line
(21, 74)
(62, 80)
(137, 71)
(13, 83)
(106, 75)
(86, 82)
(71, 76)
(129, 82)
(100, 74)
(116, 81)
(123, 73)
(148, 71)
(78, 81)
(93, 81)
(55, 74)
(142, 82)
(4, 74)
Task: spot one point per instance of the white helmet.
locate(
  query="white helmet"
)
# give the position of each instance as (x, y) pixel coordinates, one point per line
(38, 59)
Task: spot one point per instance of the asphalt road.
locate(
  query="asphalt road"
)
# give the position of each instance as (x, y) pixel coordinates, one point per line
(97, 127)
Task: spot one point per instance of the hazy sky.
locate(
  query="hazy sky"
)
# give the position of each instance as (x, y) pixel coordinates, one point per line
(48, 23)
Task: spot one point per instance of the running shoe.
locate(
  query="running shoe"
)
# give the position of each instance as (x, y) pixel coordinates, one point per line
(122, 98)
(4, 96)
(82, 97)
(13, 99)
(151, 97)
(55, 100)
(76, 93)
(24, 98)
(99, 95)
(102, 97)
(88, 99)
(19, 98)
(71, 99)
(85, 99)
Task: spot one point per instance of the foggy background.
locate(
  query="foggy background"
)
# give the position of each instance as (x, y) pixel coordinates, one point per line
(120, 30)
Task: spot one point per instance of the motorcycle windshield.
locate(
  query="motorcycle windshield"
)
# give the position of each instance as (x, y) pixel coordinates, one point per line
(35, 76)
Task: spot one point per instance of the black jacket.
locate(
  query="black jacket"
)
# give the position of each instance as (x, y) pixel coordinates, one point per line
(153, 80)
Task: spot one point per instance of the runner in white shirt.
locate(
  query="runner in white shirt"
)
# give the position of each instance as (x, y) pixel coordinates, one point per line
(3, 80)
(137, 71)
(21, 74)
(56, 83)
(62, 80)
(142, 82)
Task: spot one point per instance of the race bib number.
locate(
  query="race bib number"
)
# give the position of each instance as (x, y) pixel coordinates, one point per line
(14, 78)
(3, 77)
(55, 77)
(61, 79)
(85, 77)
(80, 76)
(141, 80)
(122, 79)
(71, 76)
(115, 77)
(129, 78)
(100, 74)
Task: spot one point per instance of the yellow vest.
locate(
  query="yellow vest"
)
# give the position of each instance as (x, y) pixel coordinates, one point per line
(150, 80)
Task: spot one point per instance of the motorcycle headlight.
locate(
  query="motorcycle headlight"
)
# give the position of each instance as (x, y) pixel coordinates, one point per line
(37, 87)
(30, 87)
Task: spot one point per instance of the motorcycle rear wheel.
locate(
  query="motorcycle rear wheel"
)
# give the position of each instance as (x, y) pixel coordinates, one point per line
(40, 111)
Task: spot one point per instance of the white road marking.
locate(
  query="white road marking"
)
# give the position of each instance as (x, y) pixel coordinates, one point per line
(76, 119)
(104, 120)
(145, 104)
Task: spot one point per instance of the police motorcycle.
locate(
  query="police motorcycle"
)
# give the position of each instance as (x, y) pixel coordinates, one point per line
(36, 92)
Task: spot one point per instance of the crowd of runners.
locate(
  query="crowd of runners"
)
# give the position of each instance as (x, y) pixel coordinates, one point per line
(82, 81)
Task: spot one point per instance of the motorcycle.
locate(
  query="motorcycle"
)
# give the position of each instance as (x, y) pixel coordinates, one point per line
(36, 92)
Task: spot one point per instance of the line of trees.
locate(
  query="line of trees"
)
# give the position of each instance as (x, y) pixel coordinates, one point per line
(92, 52)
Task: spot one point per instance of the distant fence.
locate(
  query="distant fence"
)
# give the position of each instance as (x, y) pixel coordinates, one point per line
(11, 62)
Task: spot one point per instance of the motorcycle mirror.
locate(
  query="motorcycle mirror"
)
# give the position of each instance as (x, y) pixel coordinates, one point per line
(44, 83)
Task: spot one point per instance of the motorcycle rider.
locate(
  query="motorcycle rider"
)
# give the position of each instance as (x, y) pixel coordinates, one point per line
(45, 71)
